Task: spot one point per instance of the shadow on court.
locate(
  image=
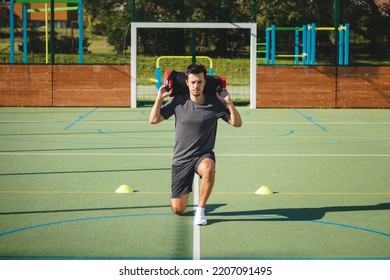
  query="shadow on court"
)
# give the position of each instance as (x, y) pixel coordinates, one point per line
(288, 214)
(281, 214)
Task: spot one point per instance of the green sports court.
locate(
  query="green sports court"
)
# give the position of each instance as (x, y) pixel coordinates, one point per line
(328, 170)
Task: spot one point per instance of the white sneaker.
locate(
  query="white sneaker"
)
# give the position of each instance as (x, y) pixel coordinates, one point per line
(200, 218)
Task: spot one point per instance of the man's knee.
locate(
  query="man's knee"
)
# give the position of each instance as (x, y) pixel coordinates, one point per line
(179, 205)
(206, 167)
(177, 210)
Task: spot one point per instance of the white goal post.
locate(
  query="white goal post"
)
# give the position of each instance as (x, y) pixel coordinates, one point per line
(188, 25)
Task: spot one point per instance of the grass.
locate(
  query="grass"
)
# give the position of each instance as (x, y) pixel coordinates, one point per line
(236, 69)
(100, 52)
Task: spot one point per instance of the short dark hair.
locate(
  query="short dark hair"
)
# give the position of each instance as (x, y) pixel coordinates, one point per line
(196, 69)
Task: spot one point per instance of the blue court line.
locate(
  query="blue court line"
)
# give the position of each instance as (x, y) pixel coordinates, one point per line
(310, 119)
(271, 217)
(79, 118)
(352, 227)
(155, 215)
(282, 134)
(81, 220)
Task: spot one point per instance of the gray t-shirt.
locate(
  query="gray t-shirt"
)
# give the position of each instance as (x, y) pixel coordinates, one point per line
(196, 125)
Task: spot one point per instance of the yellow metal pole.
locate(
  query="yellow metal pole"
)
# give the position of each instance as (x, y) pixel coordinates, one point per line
(173, 56)
(325, 28)
(290, 55)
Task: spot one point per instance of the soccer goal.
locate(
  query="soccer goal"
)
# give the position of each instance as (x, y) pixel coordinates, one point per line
(252, 27)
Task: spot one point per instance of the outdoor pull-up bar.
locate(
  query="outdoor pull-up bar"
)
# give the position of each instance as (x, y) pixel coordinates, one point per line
(308, 43)
(52, 10)
(158, 79)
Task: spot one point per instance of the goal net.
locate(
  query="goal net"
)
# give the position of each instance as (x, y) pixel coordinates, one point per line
(138, 90)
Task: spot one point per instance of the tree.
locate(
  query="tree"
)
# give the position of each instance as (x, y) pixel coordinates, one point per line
(4, 19)
(370, 21)
(111, 18)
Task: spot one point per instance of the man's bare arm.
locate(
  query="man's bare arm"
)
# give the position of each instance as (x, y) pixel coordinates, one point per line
(235, 117)
(155, 114)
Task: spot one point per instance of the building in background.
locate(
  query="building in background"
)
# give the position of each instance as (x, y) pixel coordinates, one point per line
(63, 19)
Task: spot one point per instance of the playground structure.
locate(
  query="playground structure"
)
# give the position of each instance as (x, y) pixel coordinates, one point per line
(159, 76)
(308, 42)
(52, 10)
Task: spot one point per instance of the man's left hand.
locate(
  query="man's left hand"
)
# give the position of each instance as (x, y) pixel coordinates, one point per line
(224, 96)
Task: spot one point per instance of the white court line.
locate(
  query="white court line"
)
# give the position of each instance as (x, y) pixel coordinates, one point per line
(304, 155)
(335, 123)
(196, 238)
(170, 154)
(168, 122)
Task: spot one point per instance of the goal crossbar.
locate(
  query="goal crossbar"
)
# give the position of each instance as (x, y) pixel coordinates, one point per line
(196, 25)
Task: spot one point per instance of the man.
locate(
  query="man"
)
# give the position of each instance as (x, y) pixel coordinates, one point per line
(196, 116)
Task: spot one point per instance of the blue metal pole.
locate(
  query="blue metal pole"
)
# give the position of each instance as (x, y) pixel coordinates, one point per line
(304, 44)
(296, 46)
(308, 47)
(12, 32)
(81, 31)
(346, 45)
(266, 45)
(273, 44)
(159, 82)
(341, 44)
(24, 12)
(313, 44)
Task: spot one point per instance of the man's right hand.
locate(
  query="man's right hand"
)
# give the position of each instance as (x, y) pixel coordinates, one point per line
(155, 115)
(163, 93)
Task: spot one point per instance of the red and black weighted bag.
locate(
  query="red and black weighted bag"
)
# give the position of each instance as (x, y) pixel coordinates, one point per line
(177, 81)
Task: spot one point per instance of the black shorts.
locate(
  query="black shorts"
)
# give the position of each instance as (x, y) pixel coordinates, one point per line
(183, 175)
